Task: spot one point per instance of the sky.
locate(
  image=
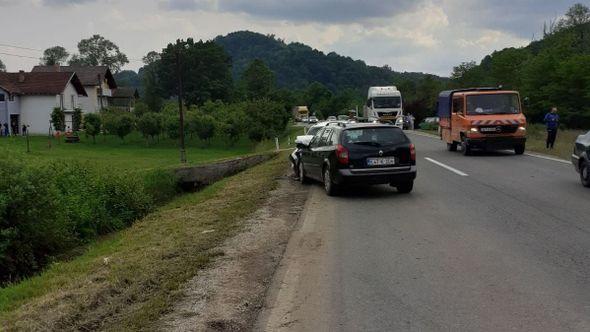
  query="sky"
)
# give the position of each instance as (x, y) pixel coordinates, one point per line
(428, 36)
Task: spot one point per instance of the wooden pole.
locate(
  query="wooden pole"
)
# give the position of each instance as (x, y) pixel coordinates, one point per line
(180, 94)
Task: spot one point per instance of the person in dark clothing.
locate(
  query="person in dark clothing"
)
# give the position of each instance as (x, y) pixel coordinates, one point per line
(6, 130)
(24, 130)
(552, 122)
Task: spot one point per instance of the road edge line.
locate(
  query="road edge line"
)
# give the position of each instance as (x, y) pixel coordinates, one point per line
(447, 167)
(542, 156)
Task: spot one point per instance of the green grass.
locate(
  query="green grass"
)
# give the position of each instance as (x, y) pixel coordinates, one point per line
(564, 145)
(128, 280)
(132, 153)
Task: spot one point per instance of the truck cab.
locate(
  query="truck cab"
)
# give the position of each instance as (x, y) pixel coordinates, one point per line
(482, 118)
(384, 104)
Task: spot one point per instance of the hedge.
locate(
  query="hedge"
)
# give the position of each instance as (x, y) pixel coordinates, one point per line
(47, 210)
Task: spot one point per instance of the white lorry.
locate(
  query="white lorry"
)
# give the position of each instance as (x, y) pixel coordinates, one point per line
(384, 104)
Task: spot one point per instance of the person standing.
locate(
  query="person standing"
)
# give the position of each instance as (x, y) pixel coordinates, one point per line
(552, 122)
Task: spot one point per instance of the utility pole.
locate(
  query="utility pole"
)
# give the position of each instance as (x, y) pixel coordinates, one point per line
(180, 93)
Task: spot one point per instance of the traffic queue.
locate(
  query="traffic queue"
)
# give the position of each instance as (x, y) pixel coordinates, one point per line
(375, 150)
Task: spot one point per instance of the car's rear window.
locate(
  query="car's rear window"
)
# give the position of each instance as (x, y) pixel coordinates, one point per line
(373, 137)
(313, 130)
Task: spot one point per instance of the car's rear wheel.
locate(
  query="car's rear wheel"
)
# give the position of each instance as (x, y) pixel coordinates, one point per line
(452, 146)
(585, 173)
(302, 178)
(519, 149)
(330, 187)
(405, 188)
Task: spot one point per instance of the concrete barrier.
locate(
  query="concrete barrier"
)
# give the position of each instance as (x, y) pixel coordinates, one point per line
(194, 177)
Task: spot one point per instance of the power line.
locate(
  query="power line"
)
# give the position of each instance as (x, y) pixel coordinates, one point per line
(38, 50)
(21, 47)
(19, 56)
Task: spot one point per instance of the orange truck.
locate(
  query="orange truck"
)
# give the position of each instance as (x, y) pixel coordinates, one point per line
(482, 118)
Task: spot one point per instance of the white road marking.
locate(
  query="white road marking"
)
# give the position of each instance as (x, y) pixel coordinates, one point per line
(547, 158)
(447, 167)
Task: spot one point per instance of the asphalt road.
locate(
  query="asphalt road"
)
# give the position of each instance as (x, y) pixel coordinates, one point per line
(493, 242)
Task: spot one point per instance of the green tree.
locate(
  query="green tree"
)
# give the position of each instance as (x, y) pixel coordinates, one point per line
(96, 51)
(2, 66)
(55, 55)
(206, 128)
(317, 97)
(150, 125)
(118, 123)
(77, 119)
(140, 109)
(152, 95)
(258, 81)
(58, 119)
(92, 124)
(578, 14)
(204, 70)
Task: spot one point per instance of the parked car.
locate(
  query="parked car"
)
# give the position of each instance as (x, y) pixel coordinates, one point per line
(294, 157)
(581, 158)
(359, 153)
(343, 117)
(313, 119)
(332, 118)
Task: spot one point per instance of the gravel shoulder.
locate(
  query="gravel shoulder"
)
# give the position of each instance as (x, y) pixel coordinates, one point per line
(229, 294)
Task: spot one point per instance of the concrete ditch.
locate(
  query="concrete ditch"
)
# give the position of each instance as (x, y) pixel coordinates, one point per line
(193, 178)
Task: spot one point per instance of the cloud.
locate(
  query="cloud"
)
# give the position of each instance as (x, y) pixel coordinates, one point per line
(65, 2)
(328, 11)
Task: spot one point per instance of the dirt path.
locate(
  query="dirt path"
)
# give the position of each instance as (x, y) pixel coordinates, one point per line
(229, 295)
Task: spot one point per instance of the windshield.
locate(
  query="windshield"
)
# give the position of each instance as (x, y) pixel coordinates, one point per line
(387, 102)
(313, 130)
(373, 137)
(507, 103)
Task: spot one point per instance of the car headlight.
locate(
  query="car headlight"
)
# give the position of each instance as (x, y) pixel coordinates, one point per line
(522, 128)
(474, 130)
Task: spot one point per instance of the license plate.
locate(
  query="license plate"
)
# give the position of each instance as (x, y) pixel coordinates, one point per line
(380, 161)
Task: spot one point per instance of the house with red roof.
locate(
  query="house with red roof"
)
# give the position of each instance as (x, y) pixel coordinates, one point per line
(29, 98)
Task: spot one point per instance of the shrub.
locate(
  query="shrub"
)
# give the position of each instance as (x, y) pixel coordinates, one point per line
(46, 210)
(206, 127)
(92, 124)
(58, 119)
(172, 126)
(428, 126)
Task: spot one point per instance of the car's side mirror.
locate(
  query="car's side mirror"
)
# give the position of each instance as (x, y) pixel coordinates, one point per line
(302, 145)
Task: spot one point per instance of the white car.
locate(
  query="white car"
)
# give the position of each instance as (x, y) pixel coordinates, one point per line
(313, 119)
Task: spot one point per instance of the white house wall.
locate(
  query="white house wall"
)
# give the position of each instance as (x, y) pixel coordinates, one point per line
(36, 112)
(91, 104)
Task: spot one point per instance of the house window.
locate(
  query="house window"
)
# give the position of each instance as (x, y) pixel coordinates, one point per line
(73, 101)
(2, 97)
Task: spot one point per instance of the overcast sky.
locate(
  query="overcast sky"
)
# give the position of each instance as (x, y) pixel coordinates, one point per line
(422, 35)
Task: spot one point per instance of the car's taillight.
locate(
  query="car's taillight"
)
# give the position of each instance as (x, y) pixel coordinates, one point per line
(342, 154)
(412, 152)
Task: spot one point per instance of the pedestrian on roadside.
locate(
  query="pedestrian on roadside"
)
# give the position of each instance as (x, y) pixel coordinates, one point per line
(552, 122)
(6, 130)
(24, 130)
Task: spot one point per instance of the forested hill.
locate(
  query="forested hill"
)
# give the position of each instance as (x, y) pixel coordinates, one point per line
(553, 71)
(297, 65)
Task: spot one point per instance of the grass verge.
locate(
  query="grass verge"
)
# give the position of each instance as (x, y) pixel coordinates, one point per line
(128, 280)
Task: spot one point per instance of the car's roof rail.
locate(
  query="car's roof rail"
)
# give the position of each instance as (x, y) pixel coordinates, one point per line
(337, 123)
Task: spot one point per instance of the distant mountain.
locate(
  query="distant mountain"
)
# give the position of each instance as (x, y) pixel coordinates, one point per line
(297, 65)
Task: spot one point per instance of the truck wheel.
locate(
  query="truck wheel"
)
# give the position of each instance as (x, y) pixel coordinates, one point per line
(585, 173)
(519, 149)
(465, 148)
(452, 146)
(405, 188)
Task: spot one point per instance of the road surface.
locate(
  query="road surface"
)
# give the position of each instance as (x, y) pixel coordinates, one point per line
(493, 242)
